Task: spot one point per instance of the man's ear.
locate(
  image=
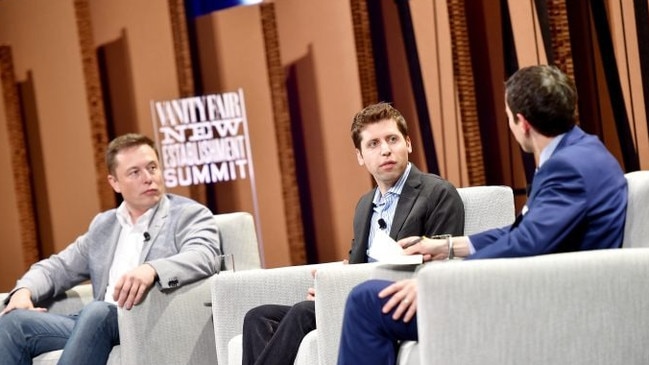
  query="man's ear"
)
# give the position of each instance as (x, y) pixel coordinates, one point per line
(359, 157)
(525, 124)
(113, 183)
(408, 144)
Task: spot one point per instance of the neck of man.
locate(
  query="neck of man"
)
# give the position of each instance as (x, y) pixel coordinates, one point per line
(539, 142)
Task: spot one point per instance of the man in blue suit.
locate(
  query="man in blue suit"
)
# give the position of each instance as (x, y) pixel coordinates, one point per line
(577, 202)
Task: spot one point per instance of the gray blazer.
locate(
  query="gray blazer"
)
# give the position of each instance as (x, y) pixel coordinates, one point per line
(183, 247)
(428, 205)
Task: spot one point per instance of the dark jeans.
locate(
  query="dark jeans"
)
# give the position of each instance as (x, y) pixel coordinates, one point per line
(272, 333)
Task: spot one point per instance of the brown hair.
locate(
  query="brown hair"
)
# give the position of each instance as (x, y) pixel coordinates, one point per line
(123, 142)
(373, 114)
(545, 96)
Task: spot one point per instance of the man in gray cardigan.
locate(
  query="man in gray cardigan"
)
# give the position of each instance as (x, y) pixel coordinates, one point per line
(151, 238)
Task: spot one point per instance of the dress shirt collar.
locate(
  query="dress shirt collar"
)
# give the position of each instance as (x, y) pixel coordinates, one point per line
(549, 149)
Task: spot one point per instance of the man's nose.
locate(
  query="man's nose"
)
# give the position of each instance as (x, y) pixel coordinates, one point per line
(385, 148)
(147, 176)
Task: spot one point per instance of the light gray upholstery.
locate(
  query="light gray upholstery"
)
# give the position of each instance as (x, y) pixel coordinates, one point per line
(239, 238)
(172, 327)
(572, 308)
(636, 228)
(485, 207)
(233, 294)
(332, 285)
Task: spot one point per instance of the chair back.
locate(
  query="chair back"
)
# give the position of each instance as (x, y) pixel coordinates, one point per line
(636, 229)
(239, 238)
(487, 207)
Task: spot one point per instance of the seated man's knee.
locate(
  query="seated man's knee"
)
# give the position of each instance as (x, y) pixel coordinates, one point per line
(304, 310)
(260, 315)
(98, 311)
(255, 313)
(12, 321)
(367, 292)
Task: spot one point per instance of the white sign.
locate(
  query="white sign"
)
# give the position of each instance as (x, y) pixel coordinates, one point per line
(203, 139)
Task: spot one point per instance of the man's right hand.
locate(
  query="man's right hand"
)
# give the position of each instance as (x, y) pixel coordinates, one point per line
(21, 299)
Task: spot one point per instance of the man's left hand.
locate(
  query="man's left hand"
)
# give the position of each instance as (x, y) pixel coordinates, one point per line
(132, 286)
(404, 299)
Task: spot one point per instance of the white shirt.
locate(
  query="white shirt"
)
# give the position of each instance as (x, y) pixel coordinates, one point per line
(129, 247)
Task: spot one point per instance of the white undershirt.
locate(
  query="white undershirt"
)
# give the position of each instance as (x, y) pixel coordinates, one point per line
(129, 247)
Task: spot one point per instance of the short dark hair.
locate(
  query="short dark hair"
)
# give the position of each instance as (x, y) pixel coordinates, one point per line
(545, 96)
(123, 142)
(373, 114)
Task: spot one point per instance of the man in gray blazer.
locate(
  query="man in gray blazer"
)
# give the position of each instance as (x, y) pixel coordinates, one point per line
(151, 238)
(406, 202)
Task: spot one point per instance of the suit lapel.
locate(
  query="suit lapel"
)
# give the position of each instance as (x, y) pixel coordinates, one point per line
(365, 206)
(409, 194)
(157, 221)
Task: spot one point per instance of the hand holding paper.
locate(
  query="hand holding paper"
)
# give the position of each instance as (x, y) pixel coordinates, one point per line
(384, 249)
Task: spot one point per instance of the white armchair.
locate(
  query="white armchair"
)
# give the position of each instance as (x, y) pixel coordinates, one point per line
(485, 207)
(170, 327)
(570, 308)
(234, 293)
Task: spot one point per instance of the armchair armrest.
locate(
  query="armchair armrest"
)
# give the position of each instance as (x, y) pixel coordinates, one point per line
(72, 301)
(333, 285)
(234, 293)
(173, 327)
(571, 308)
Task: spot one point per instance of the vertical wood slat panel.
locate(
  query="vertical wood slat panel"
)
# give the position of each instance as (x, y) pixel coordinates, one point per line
(94, 99)
(626, 30)
(560, 33)
(277, 77)
(184, 70)
(19, 160)
(364, 52)
(462, 69)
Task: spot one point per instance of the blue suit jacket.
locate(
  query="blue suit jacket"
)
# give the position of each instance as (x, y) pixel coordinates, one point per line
(577, 202)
